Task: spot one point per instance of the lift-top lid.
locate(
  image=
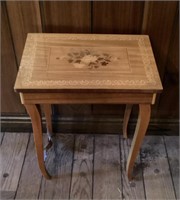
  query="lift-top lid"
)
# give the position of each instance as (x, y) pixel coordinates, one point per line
(87, 61)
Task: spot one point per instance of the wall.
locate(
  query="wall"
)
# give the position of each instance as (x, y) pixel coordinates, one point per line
(160, 20)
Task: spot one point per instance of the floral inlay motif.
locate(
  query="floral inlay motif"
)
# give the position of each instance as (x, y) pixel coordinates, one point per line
(89, 59)
(27, 62)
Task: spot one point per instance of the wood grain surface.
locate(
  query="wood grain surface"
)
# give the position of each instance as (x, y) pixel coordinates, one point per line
(107, 171)
(86, 61)
(47, 108)
(157, 19)
(140, 131)
(81, 184)
(72, 110)
(172, 148)
(12, 161)
(117, 17)
(59, 164)
(60, 188)
(10, 103)
(66, 17)
(127, 114)
(1, 137)
(160, 32)
(30, 176)
(86, 98)
(131, 189)
(24, 18)
(34, 113)
(154, 159)
(170, 96)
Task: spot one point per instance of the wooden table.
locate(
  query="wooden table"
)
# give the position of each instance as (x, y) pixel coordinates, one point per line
(88, 69)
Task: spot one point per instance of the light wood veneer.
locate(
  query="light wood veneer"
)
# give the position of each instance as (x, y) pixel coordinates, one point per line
(88, 69)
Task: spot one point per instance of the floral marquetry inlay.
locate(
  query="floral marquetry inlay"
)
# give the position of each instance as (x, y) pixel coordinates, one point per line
(80, 61)
(90, 59)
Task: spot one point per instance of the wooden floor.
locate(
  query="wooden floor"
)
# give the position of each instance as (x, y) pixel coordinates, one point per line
(89, 167)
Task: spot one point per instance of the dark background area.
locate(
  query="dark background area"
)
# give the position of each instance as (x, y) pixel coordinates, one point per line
(160, 20)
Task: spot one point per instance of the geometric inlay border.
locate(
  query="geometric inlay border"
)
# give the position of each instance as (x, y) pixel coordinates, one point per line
(25, 70)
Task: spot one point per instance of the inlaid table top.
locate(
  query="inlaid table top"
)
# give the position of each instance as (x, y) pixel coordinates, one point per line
(87, 61)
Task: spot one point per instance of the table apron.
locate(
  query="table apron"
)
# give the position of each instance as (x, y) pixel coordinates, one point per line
(87, 98)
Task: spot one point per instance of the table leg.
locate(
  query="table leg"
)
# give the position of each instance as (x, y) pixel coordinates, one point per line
(141, 127)
(48, 115)
(34, 113)
(126, 119)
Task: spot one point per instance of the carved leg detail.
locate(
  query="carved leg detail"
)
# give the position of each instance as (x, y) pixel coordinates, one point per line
(38, 139)
(141, 127)
(126, 119)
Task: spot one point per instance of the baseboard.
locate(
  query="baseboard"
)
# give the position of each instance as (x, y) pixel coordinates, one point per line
(93, 124)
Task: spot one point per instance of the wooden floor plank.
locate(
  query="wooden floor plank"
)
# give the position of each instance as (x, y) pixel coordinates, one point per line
(1, 137)
(12, 151)
(59, 165)
(157, 178)
(81, 186)
(107, 172)
(172, 146)
(30, 180)
(7, 195)
(131, 189)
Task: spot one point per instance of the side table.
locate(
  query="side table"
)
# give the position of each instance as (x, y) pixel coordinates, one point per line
(88, 69)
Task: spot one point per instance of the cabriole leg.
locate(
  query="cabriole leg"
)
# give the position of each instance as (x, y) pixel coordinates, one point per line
(34, 113)
(48, 115)
(140, 131)
(126, 119)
